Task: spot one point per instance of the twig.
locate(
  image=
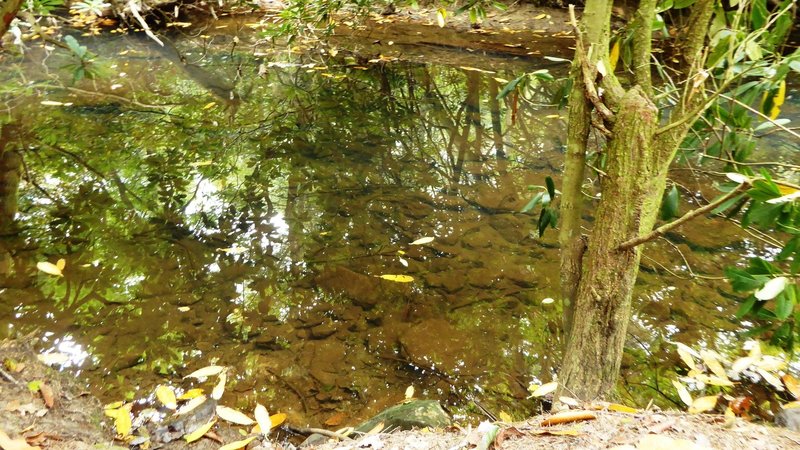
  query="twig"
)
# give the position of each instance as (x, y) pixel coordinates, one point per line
(658, 232)
(760, 114)
(135, 11)
(324, 432)
(8, 377)
(588, 71)
(765, 163)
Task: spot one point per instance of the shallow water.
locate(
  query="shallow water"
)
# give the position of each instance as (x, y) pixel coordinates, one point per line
(230, 203)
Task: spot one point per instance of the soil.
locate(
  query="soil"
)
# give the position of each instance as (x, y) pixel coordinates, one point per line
(68, 417)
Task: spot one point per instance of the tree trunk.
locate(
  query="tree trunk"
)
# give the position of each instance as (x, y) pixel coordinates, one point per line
(8, 10)
(632, 190)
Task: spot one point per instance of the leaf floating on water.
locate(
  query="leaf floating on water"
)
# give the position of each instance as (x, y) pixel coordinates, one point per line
(206, 372)
(233, 416)
(277, 419)
(772, 288)
(403, 262)
(219, 389)
(51, 103)
(209, 105)
(397, 278)
(540, 17)
(166, 396)
(703, 404)
(683, 393)
(547, 301)
(238, 444)
(191, 393)
(184, 308)
(409, 392)
(200, 432)
(545, 389)
(49, 268)
(422, 240)
(53, 358)
(262, 417)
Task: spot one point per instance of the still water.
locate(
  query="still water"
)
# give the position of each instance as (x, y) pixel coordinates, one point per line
(225, 201)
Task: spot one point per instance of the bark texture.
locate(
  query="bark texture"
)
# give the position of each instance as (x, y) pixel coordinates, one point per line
(8, 10)
(631, 194)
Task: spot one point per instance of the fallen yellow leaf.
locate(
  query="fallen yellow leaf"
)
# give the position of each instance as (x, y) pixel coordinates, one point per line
(238, 444)
(200, 432)
(397, 278)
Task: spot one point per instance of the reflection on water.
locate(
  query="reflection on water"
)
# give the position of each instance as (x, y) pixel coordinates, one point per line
(213, 207)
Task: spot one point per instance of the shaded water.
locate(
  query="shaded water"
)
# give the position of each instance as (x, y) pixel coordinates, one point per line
(235, 204)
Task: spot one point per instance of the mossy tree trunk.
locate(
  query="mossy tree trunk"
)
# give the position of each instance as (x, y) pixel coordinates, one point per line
(8, 11)
(600, 270)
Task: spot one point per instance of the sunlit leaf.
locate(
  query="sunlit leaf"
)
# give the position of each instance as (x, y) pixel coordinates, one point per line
(785, 199)
(686, 357)
(545, 389)
(200, 432)
(238, 444)
(683, 393)
(440, 16)
(191, 393)
(184, 308)
(505, 417)
(713, 364)
(622, 408)
(49, 268)
(219, 389)
(742, 364)
(540, 17)
(613, 56)
(703, 404)
(717, 381)
(233, 416)
(409, 392)
(61, 263)
(772, 288)
(792, 385)
(277, 419)
(547, 301)
(209, 105)
(770, 378)
(397, 278)
(51, 103)
(166, 396)
(771, 363)
(403, 262)
(737, 177)
(206, 372)
(262, 417)
(423, 240)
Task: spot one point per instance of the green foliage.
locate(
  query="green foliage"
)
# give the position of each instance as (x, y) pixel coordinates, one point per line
(42, 7)
(548, 216)
(84, 63)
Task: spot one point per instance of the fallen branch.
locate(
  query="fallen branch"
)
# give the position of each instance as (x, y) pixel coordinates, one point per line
(134, 7)
(324, 432)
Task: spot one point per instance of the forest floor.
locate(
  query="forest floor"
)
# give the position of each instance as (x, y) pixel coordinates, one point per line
(59, 414)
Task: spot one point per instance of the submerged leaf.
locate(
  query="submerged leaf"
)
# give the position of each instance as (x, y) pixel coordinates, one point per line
(422, 240)
(397, 278)
(219, 389)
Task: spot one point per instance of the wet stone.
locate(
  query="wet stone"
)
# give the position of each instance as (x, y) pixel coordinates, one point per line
(323, 330)
(436, 343)
(364, 291)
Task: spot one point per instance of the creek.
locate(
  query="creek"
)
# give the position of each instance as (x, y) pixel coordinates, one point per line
(223, 200)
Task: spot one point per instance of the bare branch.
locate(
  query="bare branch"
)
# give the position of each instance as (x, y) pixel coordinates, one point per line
(660, 231)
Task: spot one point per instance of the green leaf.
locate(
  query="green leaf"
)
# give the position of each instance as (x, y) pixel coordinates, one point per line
(759, 13)
(746, 307)
(532, 204)
(727, 204)
(511, 86)
(743, 281)
(551, 187)
(680, 4)
(544, 219)
(669, 206)
(784, 305)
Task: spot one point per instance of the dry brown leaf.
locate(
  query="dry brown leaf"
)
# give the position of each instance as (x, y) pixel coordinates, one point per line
(6, 443)
(506, 434)
(47, 395)
(568, 417)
